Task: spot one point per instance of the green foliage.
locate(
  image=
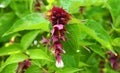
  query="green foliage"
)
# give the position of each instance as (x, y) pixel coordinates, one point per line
(11, 68)
(12, 49)
(93, 30)
(13, 59)
(33, 69)
(28, 38)
(29, 22)
(37, 54)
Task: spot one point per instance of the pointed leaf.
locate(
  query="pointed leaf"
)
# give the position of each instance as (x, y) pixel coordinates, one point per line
(38, 54)
(12, 49)
(10, 68)
(29, 22)
(16, 58)
(69, 70)
(28, 38)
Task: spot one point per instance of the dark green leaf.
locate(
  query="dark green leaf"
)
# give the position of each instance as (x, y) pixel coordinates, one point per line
(6, 22)
(95, 30)
(72, 41)
(98, 50)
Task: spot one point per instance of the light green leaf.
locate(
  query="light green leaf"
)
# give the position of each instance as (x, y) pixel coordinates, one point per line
(10, 68)
(38, 54)
(33, 69)
(73, 6)
(12, 49)
(28, 38)
(30, 22)
(69, 70)
(82, 64)
(116, 42)
(15, 58)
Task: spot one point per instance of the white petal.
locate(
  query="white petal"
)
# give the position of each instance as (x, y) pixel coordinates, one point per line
(59, 64)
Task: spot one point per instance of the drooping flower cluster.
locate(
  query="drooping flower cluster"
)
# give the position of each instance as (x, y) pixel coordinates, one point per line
(113, 60)
(22, 66)
(59, 18)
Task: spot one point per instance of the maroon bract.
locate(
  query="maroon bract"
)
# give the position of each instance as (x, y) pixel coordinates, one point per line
(23, 66)
(59, 18)
(37, 5)
(113, 60)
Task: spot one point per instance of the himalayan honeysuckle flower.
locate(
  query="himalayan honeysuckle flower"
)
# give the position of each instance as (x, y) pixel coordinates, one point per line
(59, 18)
(22, 66)
(113, 60)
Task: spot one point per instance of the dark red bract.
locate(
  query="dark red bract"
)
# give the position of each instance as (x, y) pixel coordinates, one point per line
(23, 66)
(113, 60)
(58, 16)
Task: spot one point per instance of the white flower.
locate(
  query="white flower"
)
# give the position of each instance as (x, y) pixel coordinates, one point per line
(59, 64)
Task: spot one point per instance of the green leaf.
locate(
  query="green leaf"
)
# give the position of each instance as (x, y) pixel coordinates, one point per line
(38, 54)
(30, 22)
(20, 7)
(69, 70)
(114, 9)
(33, 69)
(10, 68)
(69, 61)
(96, 12)
(15, 58)
(12, 49)
(116, 42)
(6, 21)
(73, 6)
(28, 38)
(4, 3)
(72, 43)
(96, 31)
(98, 50)
(82, 64)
